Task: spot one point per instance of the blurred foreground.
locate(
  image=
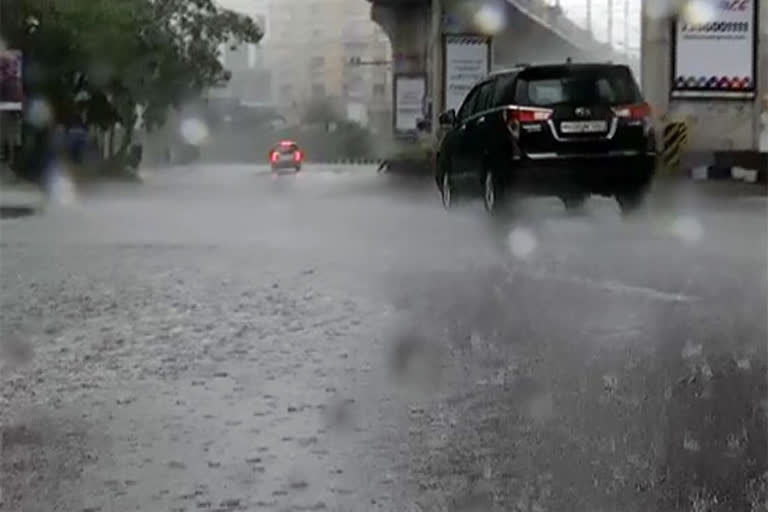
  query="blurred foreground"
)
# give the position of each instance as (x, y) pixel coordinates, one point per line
(218, 339)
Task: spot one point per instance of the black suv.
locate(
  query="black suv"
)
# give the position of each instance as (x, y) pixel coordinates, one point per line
(568, 130)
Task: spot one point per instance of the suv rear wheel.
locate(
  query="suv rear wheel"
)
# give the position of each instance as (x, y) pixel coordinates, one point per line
(493, 192)
(446, 191)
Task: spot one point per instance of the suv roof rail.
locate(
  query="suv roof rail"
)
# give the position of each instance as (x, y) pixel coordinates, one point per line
(501, 71)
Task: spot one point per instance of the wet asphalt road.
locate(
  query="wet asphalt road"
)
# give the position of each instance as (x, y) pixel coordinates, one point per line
(217, 339)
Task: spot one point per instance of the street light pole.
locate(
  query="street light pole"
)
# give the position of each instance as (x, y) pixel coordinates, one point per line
(589, 17)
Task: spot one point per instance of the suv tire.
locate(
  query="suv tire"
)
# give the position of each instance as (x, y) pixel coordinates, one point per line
(446, 191)
(493, 192)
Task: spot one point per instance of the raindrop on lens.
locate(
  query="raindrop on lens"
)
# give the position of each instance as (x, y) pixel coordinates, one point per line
(194, 131)
(522, 243)
(489, 19)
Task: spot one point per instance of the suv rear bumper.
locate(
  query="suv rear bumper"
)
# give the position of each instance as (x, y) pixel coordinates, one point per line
(605, 173)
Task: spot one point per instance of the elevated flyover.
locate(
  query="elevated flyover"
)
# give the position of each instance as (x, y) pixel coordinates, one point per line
(521, 31)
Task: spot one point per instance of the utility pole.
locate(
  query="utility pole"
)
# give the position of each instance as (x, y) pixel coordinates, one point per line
(589, 17)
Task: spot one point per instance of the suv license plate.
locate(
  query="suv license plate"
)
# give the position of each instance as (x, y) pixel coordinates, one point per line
(583, 126)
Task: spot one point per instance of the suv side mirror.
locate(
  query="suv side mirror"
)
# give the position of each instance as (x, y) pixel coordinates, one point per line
(448, 118)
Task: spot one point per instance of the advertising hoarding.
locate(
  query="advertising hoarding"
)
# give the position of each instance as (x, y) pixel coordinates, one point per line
(717, 57)
(467, 61)
(11, 91)
(410, 91)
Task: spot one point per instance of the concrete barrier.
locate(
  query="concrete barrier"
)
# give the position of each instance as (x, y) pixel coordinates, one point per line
(355, 161)
(744, 166)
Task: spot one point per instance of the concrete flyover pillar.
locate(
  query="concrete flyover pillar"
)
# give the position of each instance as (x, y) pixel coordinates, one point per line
(725, 127)
(408, 24)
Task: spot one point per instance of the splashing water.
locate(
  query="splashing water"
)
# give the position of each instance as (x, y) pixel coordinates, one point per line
(61, 188)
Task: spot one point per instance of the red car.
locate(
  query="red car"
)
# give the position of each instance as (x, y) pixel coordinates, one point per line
(286, 155)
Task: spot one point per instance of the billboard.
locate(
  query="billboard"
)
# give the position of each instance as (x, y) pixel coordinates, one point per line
(11, 91)
(467, 61)
(410, 91)
(716, 57)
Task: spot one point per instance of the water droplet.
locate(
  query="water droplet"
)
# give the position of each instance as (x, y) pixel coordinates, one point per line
(490, 19)
(194, 131)
(690, 443)
(691, 351)
(522, 243)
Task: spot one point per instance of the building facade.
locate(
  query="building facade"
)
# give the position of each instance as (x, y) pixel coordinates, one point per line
(328, 50)
(251, 80)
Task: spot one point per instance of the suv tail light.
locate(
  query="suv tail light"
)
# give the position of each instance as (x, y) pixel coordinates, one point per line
(639, 112)
(297, 156)
(515, 116)
(273, 156)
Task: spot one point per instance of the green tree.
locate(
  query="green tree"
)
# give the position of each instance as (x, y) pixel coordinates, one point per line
(115, 55)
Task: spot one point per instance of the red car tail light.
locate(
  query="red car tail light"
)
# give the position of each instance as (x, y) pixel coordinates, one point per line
(637, 112)
(273, 156)
(297, 156)
(515, 116)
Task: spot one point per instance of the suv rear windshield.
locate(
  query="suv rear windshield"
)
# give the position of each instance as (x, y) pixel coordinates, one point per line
(605, 85)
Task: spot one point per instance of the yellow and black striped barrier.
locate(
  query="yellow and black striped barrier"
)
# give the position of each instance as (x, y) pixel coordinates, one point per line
(674, 143)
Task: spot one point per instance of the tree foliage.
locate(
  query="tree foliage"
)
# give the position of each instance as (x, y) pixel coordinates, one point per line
(106, 57)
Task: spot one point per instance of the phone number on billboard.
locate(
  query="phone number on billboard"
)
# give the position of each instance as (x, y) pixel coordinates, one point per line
(717, 26)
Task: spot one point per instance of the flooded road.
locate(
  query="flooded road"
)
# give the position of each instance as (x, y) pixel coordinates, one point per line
(220, 339)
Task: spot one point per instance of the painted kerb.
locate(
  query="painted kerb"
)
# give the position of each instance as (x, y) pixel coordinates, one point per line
(675, 140)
